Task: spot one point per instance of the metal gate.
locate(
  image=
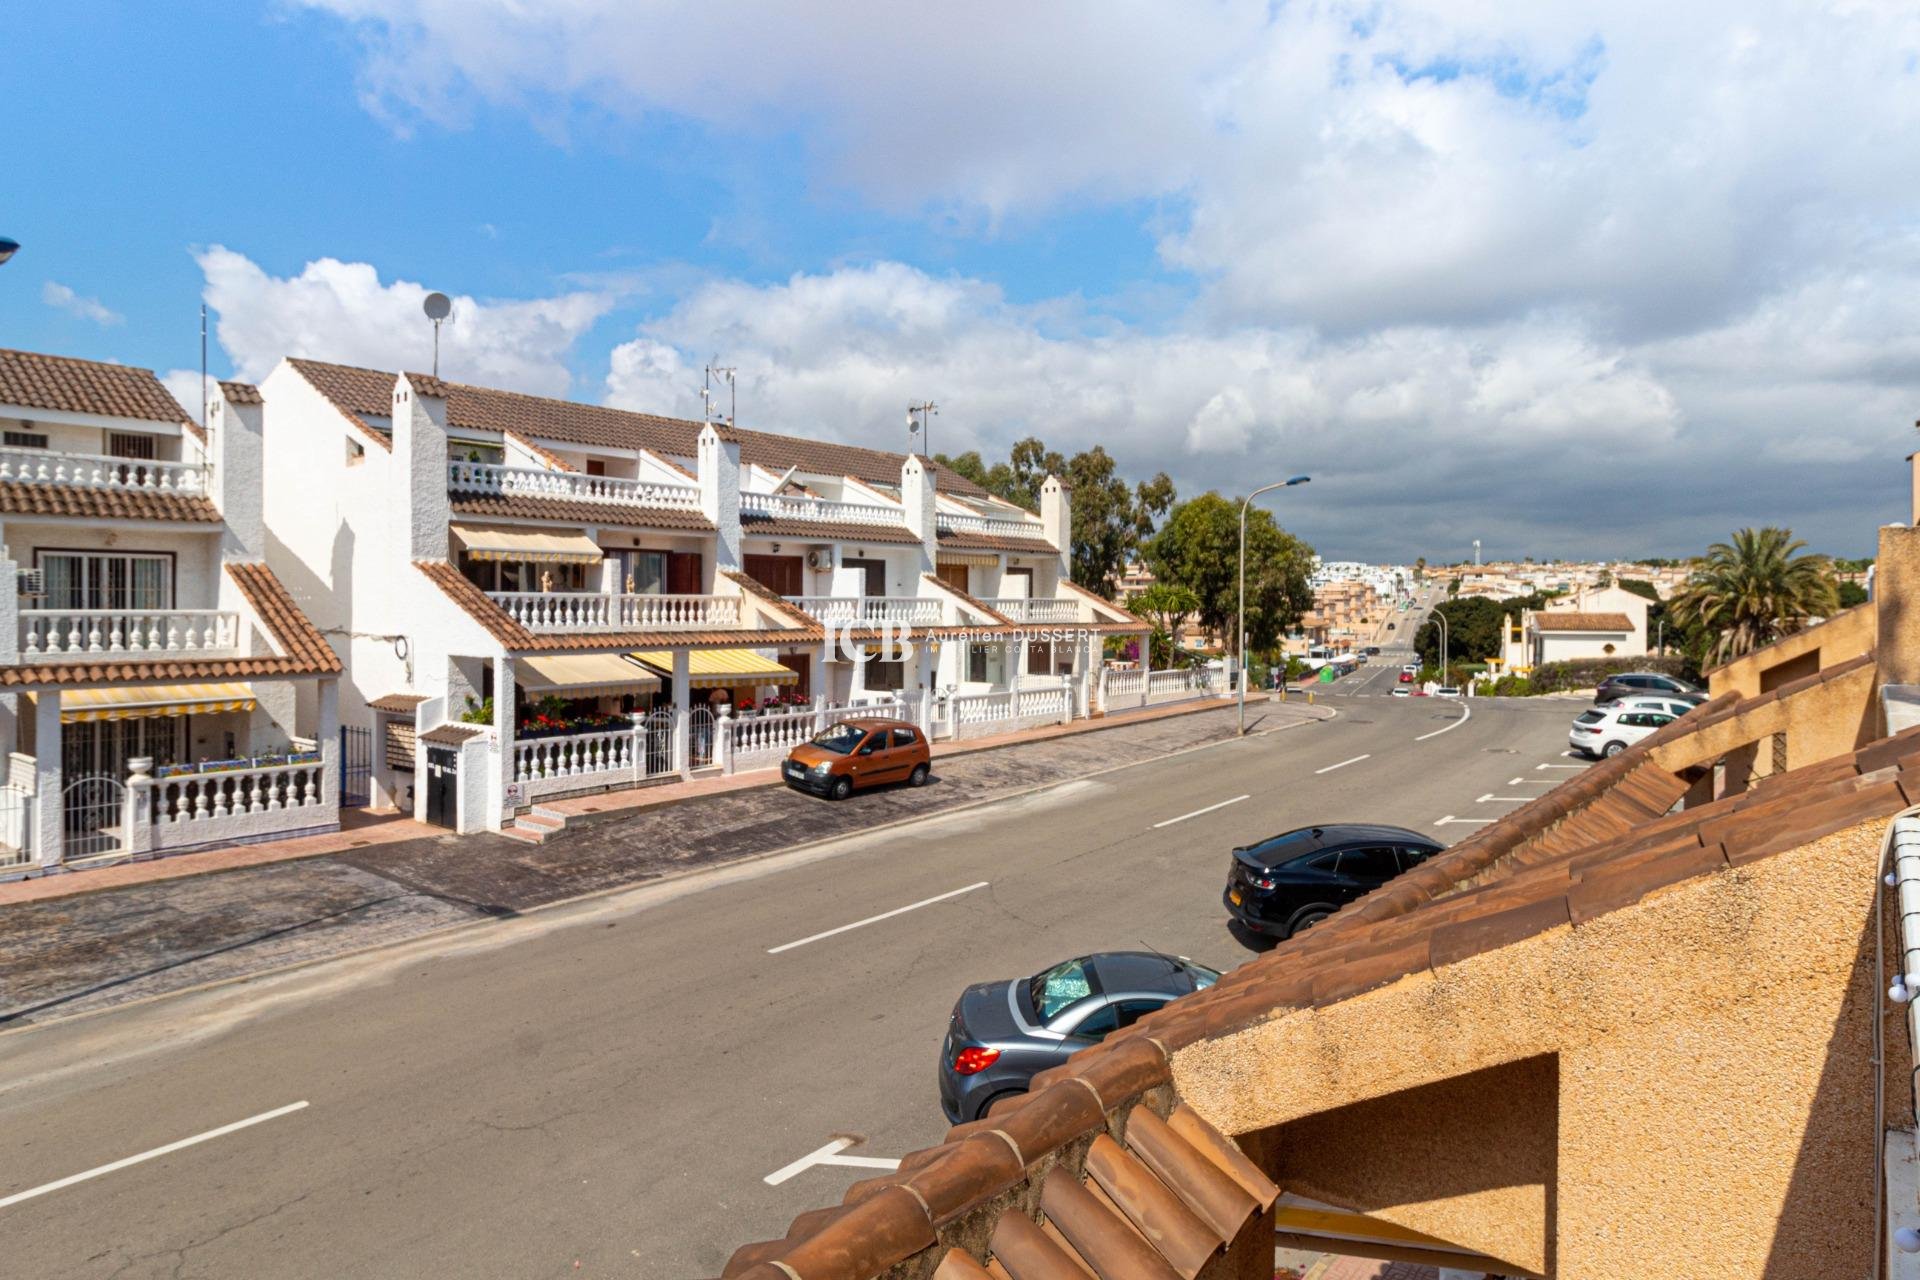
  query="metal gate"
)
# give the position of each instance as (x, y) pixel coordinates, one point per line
(700, 737)
(90, 812)
(356, 766)
(443, 787)
(659, 741)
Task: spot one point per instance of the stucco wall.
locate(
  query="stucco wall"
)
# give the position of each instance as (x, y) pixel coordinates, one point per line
(1714, 1104)
(1845, 635)
(1823, 721)
(196, 556)
(1564, 646)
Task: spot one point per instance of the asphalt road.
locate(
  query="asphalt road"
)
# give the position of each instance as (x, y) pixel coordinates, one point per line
(602, 1089)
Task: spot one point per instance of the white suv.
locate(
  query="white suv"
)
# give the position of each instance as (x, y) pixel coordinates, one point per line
(1609, 730)
(1663, 703)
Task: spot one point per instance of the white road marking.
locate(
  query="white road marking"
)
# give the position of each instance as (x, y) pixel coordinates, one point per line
(884, 915)
(1531, 782)
(169, 1149)
(1450, 818)
(829, 1154)
(1559, 766)
(1197, 812)
(1344, 763)
(1493, 799)
(1466, 714)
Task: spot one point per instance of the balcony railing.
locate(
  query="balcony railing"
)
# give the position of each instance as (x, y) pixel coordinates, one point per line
(533, 482)
(997, 526)
(907, 610)
(1032, 609)
(547, 611)
(126, 633)
(97, 471)
(779, 506)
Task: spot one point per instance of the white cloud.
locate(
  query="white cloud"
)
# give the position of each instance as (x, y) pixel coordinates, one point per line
(341, 311)
(60, 297)
(185, 386)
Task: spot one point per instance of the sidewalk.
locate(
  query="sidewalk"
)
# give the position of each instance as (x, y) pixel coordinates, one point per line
(360, 829)
(385, 882)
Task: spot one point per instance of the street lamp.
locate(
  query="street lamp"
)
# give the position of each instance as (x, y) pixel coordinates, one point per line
(1441, 618)
(8, 248)
(1240, 639)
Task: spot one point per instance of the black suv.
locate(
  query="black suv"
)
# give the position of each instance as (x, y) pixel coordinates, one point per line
(1614, 688)
(1282, 885)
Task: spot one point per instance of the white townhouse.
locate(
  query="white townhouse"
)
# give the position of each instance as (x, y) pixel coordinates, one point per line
(535, 597)
(1592, 622)
(150, 661)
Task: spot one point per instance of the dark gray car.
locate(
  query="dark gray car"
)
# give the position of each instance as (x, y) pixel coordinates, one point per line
(1004, 1033)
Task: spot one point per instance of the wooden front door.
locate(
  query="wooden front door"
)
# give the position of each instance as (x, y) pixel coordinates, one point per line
(798, 662)
(683, 573)
(779, 574)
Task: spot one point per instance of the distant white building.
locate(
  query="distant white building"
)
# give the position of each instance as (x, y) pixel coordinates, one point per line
(1593, 622)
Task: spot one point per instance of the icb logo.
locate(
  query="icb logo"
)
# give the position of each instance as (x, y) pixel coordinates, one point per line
(891, 643)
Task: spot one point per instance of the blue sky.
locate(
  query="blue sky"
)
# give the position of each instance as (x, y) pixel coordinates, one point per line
(1458, 267)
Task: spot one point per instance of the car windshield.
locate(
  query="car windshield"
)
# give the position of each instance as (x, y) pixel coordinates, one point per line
(840, 739)
(1060, 986)
(1203, 977)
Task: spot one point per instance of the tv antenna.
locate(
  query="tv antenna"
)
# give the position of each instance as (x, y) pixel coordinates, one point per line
(725, 373)
(438, 307)
(919, 423)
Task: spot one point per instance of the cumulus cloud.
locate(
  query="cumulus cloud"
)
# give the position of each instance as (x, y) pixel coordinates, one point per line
(61, 298)
(342, 311)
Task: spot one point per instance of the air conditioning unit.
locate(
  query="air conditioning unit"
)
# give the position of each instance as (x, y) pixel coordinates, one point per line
(820, 558)
(31, 583)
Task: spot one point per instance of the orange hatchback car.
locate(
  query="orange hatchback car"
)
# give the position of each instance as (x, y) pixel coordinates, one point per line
(859, 753)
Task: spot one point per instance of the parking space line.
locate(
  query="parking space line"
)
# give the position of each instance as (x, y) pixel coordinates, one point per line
(1466, 714)
(1344, 763)
(157, 1152)
(1559, 766)
(1493, 799)
(829, 1154)
(1197, 812)
(1441, 822)
(884, 915)
(1531, 782)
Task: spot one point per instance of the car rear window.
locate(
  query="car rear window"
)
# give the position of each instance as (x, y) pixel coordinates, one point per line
(1590, 717)
(1060, 986)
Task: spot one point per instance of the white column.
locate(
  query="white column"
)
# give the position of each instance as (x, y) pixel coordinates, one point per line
(723, 739)
(327, 734)
(9, 655)
(1083, 687)
(682, 710)
(136, 807)
(923, 681)
(48, 834)
(501, 776)
(1146, 666)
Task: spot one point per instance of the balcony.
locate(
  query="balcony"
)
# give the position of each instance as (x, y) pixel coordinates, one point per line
(124, 633)
(573, 486)
(913, 611)
(97, 471)
(992, 526)
(546, 612)
(1030, 609)
(775, 506)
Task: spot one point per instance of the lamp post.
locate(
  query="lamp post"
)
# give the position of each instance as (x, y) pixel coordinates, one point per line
(1441, 618)
(1240, 637)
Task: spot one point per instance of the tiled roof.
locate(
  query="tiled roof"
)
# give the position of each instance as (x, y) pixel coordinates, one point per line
(358, 394)
(546, 455)
(1004, 1187)
(67, 385)
(825, 530)
(451, 735)
(397, 701)
(771, 598)
(370, 392)
(567, 511)
(241, 393)
(517, 638)
(427, 384)
(105, 503)
(956, 540)
(972, 601)
(1568, 621)
(304, 651)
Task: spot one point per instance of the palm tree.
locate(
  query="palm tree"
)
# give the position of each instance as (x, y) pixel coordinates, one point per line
(1750, 592)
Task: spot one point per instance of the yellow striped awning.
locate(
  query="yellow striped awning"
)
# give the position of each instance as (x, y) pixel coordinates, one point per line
(81, 706)
(983, 558)
(583, 675)
(723, 668)
(499, 542)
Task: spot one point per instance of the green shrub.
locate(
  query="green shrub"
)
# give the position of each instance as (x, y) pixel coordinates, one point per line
(1585, 673)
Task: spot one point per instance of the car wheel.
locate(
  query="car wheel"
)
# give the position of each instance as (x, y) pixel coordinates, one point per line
(842, 788)
(995, 1100)
(918, 778)
(1307, 920)
(1615, 748)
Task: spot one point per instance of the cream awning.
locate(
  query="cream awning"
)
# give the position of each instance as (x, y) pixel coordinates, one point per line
(499, 542)
(986, 558)
(79, 706)
(723, 668)
(583, 675)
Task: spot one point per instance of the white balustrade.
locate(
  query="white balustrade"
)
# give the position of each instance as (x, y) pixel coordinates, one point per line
(996, 526)
(62, 632)
(781, 506)
(193, 808)
(492, 477)
(98, 471)
(575, 757)
(1122, 688)
(1032, 609)
(764, 734)
(915, 611)
(1044, 702)
(570, 611)
(970, 709)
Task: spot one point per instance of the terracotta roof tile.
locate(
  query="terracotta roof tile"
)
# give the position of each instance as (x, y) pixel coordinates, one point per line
(1570, 621)
(397, 701)
(241, 393)
(567, 511)
(973, 602)
(105, 503)
(67, 385)
(358, 394)
(771, 598)
(954, 540)
(283, 619)
(451, 735)
(825, 530)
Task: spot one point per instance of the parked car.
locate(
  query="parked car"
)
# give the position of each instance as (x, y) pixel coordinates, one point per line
(1298, 878)
(859, 752)
(1402, 693)
(1666, 703)
(1406, 677)
(1373, 650)
(1447, 691)
(1607, 731)
(1003, 1033)
(1613, 688)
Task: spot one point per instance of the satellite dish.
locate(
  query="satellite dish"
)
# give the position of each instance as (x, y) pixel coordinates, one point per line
(438, 306)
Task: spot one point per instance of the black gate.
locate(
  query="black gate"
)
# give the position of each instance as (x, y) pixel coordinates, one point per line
(356, 766)
(443, 787)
